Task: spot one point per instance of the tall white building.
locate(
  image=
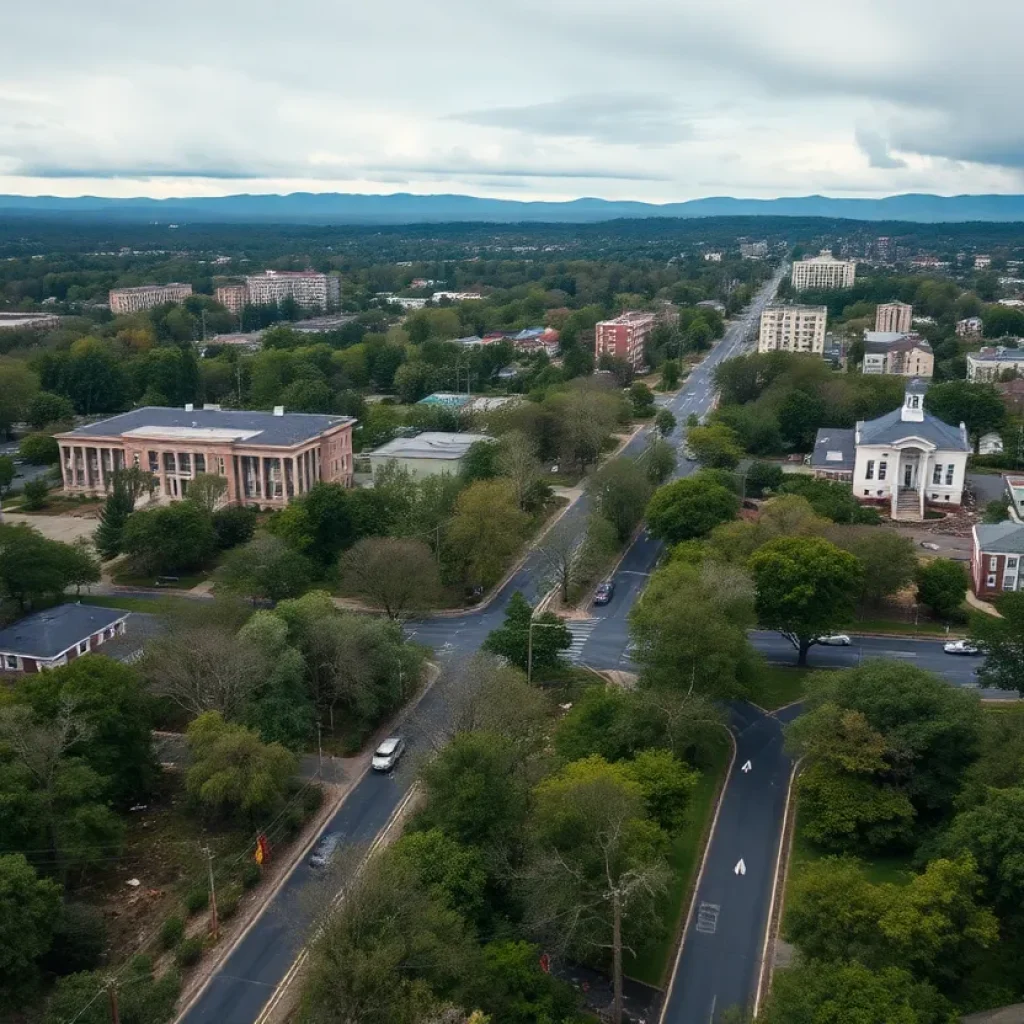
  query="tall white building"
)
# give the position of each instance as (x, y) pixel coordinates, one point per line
(793, 329)
(309, 289)
(147, 296)
(895, 317)
(823, 272)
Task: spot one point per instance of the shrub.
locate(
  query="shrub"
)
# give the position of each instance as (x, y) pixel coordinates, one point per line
(34, 495)
(189, 951)
(312, 798)
(197, 898)
(228, 900)
(250, 874)
(78, 940)
(39, 450)
(172, 932)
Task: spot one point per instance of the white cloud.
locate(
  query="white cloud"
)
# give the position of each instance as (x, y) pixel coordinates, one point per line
(650, 99)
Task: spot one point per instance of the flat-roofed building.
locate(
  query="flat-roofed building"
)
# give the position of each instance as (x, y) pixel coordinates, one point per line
(793, 329)
(147, 296)
(624, 337)
(823, 272)
(989, 364)
(308, 288)
(232, 297)
(268, 458)
(428, 454)
(894, 316)
(28, 321)
(905, 355)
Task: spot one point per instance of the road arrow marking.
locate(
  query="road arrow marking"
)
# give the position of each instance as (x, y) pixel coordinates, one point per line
(746, 767)
(741, 868)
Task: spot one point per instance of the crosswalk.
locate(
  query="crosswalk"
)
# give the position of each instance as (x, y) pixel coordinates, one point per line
(580, 630)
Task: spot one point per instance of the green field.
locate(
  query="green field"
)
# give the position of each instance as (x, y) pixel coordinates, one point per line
(779, 685)
(652, 964)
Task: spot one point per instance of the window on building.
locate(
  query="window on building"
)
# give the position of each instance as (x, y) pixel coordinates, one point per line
(882, 467)
(12, 661)
(870, 472)
(1011, 563)
(184, 462)
(937, 473)
(1008, 582)
(950, 469)
(83, 647)
(866, 492)
(993, 562)
(990, 581)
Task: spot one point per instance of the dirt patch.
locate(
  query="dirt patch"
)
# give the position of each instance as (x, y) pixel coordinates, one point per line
(58, 526)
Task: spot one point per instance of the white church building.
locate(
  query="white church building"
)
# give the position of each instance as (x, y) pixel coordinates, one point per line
(906, 460)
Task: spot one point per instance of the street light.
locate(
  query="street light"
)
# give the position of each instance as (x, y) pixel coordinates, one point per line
(529, 643)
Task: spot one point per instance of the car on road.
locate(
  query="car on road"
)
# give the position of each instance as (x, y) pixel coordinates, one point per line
(604, 592)
(961, 647)
(834, 640)
(387, 754)
(324, 851)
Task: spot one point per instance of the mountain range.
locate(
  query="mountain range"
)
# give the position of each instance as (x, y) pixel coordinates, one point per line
(404, 208)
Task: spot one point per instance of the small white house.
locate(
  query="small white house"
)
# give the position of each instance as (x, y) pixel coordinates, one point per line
(905, 460)
(428, 454)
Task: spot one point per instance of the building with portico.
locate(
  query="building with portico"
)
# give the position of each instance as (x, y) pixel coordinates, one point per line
(905, 461)
(268, 458)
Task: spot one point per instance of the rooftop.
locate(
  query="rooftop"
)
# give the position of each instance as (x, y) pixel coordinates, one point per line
(431, 444)
(795, 307)
(631, 317)
(1000, 352)
(255, 428)
(834, 450)
(48, 634)
(1003, 537)
(891, 428)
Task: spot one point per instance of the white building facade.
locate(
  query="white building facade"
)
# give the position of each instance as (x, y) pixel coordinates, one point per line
(309, 289)
(146, 296)
(792, 329)
(989, 364)
(908, 459)
(823, 272)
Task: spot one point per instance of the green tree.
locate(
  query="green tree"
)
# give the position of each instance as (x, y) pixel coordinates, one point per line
(812, 993)
(529, 642)
(806, 588)
(889, 559)
(1003, 642)
(20, 385)
(658, 460)
(29, 910)
(715, 446)
(234, 525)
(267, 569)
(117, 508)
(39, 449)
(515, 990)
(34, 495)
(665, 422)
(318, 524)
(763, 476)
(396, 574)
(979, 406)
(207, 490)
(670, 374)
(142, 997)
(642, 398)
(667, 785)
(620, 491)
(690, 508)
(7, 474)
(47, 408)
(800, 415)
(232, 772)
(173, 537)
(941, 585)
(480, 461)
(33, 568)
(485, 531)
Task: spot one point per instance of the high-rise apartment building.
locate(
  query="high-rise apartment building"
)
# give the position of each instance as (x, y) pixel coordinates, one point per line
(309, 289)
(754, 250)
(823, 272)
(894, 317)
(793, 329)
(232, 297)
(624, 337)
(146, 296)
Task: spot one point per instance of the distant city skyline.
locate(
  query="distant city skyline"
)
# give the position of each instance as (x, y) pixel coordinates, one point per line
(647, 100)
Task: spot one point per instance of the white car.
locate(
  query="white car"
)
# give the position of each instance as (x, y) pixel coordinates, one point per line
(961, 647)
(386, 756)
(835, 640)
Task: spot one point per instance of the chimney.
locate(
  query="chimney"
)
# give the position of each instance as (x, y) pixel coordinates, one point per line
(278, 410)
(188, 407)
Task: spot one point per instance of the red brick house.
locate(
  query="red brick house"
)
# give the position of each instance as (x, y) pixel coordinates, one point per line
(996, 558)
(53, 637)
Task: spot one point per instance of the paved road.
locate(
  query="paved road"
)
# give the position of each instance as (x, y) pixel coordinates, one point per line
(720, 958)
(248, 977)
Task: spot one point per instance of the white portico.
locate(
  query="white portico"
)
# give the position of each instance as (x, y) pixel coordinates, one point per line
(909, 459)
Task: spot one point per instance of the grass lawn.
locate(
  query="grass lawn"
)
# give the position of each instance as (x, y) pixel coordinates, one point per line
(150, 605)
(779, 685)
(652, 963)
(185, 581)
(902, 628)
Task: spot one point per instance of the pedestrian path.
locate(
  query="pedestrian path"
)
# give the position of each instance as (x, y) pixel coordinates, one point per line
(580, 630)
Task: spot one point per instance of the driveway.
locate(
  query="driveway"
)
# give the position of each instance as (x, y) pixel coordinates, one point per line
(64, 528)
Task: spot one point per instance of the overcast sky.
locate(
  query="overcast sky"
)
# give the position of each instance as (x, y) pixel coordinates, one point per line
(658, 100)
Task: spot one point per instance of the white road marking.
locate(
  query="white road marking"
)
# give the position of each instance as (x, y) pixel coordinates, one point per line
(741, 868)
(580, 630)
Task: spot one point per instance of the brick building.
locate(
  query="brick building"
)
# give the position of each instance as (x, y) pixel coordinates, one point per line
(55, 636)
(624, 337)
(995, 558)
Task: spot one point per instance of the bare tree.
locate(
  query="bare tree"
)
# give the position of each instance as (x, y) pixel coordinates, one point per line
(517, 460)
(397, 574)
(571, 560)
(203, 667)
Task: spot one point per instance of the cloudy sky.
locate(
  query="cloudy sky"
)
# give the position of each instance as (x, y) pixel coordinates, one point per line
(658, 100)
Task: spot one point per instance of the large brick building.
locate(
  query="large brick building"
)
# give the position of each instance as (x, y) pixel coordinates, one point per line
(267, 458)
(624, 337)
(996, 557)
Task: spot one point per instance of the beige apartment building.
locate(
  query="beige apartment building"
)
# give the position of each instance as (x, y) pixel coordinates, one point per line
(823, 272)
(904, 355)
(268, 458)
(624, 337)
(894, 317)
(147, 296)
(793, 329)
(309, 289)
(993, 362)
(232, 297)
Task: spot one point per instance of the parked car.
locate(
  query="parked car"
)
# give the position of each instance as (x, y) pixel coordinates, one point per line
(604, 592)
(386, 756)
(325, 850)
(835, 640)
(961, 647)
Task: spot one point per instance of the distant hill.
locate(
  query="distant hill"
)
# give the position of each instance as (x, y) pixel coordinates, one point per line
(403, 208)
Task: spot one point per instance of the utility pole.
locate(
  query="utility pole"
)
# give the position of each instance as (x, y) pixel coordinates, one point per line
(115, 1012)
(319, 751)
(214, 924)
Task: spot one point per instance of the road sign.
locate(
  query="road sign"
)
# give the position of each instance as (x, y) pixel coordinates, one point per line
(741, 868)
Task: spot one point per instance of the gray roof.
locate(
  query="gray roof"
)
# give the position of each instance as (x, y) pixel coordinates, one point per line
(889, 341)
(1003, 537)
(431, 444)
(48, 633)
(892, 427)
(995, 355)
(263, 428)
(834, 449)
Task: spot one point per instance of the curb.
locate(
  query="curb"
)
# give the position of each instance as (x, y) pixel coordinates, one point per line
(775, 906)
(700, 877)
